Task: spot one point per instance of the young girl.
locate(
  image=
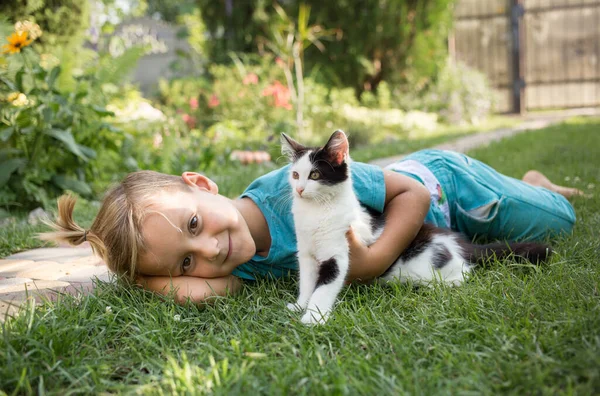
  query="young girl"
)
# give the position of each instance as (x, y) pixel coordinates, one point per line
(165, 231)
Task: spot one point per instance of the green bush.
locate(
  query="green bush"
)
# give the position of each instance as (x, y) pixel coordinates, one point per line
(459, 95)
(246, 105)
(50, 139)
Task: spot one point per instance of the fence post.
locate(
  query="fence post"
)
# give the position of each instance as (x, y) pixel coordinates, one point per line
(518, 55)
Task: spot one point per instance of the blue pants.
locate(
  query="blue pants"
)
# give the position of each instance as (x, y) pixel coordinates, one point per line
(483, 202)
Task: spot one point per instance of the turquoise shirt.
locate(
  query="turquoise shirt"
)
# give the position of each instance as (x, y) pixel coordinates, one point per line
(272, 194)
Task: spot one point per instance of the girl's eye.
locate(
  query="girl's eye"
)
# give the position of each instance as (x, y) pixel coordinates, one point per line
(185, 266)
(314, 175)
(193, 223)
(295, 175)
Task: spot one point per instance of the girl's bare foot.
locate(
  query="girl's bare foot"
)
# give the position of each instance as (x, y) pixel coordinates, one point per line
(536, 178)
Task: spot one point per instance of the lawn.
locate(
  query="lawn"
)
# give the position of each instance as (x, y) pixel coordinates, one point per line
(512, 328)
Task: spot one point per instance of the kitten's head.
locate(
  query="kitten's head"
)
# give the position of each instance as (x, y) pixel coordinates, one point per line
(317, 172)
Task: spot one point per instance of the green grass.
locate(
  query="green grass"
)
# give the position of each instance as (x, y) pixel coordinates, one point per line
(512, 328)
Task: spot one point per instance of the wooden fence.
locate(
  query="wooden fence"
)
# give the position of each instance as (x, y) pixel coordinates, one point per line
(537, 54)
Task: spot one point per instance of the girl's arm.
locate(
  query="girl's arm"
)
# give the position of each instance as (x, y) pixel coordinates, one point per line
(406, 205)
(189, 287)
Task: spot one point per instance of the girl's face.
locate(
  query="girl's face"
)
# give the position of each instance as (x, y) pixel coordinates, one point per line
(194, 233)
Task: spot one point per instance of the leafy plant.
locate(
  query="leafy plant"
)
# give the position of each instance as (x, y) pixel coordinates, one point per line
(459, 95)
(49, 138)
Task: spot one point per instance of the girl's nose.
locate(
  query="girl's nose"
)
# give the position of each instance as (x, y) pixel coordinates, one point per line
(208, 248)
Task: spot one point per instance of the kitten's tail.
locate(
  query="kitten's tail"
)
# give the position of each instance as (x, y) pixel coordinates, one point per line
(531, 251)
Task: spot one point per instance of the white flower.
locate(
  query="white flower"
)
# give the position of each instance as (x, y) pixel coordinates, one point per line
(137, 110)
(108, 309)
(591, 186)
(158, 139)
(576, 179)
(177, 318)
(567, 178)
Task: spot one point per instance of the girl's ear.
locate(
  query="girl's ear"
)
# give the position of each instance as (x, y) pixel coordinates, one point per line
(290, 147)
(337, 148)
(194, 179)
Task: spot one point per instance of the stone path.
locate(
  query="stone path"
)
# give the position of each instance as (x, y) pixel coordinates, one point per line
(530, 123)
(46, 273)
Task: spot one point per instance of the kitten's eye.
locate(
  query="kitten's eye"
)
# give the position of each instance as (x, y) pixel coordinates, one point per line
(193, 223)
(295, 175)
(186, 264)
(314, 175)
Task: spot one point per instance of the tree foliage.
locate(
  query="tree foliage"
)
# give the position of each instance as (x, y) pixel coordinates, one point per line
(376, 40)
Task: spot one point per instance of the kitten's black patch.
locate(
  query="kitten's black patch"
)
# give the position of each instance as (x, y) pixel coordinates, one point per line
(328, 271)
(377, 219)
(419, 244)
(441, 257)
(330, 174)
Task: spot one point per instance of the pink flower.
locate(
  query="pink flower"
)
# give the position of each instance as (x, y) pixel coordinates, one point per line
(194, 103)
(189, 120)
(250, 78)
(214, 101)
(280, 93)
(280, 62)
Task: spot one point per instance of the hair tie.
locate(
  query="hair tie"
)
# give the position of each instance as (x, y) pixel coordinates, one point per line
(85, 235)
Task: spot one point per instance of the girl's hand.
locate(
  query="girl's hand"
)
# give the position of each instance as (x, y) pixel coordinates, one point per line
(359, 257)
(406, 204)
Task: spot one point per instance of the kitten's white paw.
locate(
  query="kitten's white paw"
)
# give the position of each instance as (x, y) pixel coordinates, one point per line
(314, 318)
(294, 307)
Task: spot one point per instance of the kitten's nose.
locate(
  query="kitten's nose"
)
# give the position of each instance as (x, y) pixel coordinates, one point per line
(300, 190)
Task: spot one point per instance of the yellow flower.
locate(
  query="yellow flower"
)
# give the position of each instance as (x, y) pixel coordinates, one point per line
(12, 96)
(18, 99)
(33, 29)
(21, 100)
(16, 41)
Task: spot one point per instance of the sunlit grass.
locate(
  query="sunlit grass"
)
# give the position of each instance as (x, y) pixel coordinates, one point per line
(512, 328)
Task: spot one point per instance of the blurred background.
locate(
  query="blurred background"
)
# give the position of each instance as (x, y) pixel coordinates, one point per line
(92, 89)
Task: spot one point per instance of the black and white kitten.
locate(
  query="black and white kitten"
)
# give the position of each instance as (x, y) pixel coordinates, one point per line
(325, 207)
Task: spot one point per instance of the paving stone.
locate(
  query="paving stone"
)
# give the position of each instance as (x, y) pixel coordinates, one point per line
(6, 283)
(52, 270)
(61, 255)
(19, 297)
(74, 289)
(28, 266)
(8, 268)
(32, 286)
(86, 274)
(88, 260)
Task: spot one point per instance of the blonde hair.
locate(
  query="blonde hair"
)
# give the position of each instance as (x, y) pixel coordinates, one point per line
(115, 234)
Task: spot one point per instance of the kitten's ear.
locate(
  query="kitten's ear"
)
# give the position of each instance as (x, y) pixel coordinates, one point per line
(337, 148)
(290, 147)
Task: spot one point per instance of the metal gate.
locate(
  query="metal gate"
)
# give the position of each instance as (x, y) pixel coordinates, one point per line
(537, 54)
